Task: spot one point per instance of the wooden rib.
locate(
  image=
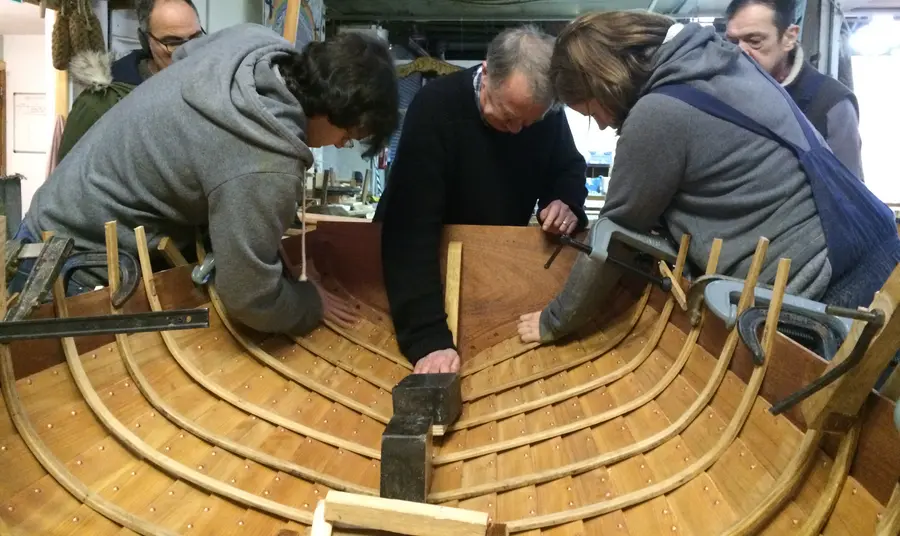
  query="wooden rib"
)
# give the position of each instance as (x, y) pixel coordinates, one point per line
(836, 479)
(218, 440)
(377, 381)
(890, 521)
(620, 454)
(452, 287)
(352, 337)
(619, 373)
(137, 445)
(168, 249)
(522, 349)
(728, 435)
(41, 452)
(253, 409)
(677, 291)
(658, 329)
(572, 427)
(784, 488)
(287, 372)
(638, 309)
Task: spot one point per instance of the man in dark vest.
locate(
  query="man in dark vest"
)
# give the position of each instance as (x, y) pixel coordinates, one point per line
(765, 30)
(163, 26)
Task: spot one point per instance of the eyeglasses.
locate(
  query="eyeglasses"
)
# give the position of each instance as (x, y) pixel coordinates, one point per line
(171, 43)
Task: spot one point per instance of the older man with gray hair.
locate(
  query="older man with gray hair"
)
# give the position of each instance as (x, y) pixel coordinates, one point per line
(482, 146)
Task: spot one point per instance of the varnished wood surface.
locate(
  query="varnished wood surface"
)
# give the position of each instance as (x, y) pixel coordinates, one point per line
(639, 425)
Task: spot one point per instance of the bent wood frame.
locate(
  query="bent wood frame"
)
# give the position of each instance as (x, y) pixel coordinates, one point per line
(639, 424)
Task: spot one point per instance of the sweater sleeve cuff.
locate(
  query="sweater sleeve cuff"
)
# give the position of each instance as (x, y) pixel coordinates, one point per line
(430, 340)
(313, 310)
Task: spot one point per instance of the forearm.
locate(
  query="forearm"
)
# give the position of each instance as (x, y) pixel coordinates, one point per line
(410, 258)
(590, 283)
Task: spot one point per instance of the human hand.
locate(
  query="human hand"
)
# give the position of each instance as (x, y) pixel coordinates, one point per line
(438, 361)
(530, 327)
(336, 309)
(558, 218)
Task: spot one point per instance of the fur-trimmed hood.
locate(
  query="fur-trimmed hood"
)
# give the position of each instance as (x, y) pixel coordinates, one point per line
(92, 68)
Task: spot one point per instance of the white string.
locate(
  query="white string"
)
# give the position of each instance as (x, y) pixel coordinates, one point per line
(303, 220)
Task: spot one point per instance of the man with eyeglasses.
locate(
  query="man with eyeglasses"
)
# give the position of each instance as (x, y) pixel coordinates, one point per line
(481, 146)
(163, 26)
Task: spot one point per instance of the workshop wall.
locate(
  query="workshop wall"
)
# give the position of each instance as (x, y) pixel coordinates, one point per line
(27, 71)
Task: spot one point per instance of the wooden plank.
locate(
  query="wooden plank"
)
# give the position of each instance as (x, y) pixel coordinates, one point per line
(452, 287)
(829, 408)
(402, 517)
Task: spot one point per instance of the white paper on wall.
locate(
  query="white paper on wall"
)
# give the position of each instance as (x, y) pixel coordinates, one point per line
(30, 123)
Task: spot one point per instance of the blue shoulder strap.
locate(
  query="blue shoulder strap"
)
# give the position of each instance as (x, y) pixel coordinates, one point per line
(715, 107)
(853, 219)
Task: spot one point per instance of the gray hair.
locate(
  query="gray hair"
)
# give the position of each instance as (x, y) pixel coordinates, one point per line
(143, 8)
(527, 50)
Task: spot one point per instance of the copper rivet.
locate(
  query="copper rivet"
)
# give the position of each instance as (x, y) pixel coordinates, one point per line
(126, 384)
(171, 493)
(74, 520)
(133, 473)
(37, 490)
(152, 508)
(79, 462)
(674, 528)
(666, 512)
(854, 491)
(28, 381)
(10, 508)
(49, 426)
(115, 488)
(753, 466)
(206, 509)
(241, 522)
(200, 467)
(608, 494)
(795, 521)
(619, 526)
(3, 448)
(190, 526)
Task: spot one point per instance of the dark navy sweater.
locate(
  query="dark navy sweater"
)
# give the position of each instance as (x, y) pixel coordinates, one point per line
(452, 168)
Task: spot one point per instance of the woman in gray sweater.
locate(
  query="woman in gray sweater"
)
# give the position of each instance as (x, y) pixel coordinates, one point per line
(711, 146)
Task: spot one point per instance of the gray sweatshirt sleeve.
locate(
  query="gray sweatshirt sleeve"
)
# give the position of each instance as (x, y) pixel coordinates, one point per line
(247, 219)
(843, 136)
(647, 171)
(649, 163)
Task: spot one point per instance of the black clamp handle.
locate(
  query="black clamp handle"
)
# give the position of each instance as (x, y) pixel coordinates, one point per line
(874, 320)
(662, 282)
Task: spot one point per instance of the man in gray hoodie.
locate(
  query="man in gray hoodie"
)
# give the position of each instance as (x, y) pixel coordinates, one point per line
(221, 140)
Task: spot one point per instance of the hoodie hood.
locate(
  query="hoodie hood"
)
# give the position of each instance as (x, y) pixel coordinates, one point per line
(235, 85)
(697, 56)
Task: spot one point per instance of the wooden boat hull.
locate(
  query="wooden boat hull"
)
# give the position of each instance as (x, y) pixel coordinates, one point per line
(640, 425)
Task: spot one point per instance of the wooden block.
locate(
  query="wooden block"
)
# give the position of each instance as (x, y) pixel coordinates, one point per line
(320, 527)
(436, 395)
(402, 517)
(406, 458)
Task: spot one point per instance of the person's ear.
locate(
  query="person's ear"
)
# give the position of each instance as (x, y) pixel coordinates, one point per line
(789, 40)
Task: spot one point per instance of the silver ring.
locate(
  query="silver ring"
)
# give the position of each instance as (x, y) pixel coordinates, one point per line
(565, 222)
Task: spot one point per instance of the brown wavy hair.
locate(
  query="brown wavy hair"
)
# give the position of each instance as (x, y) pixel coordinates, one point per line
(607, 56)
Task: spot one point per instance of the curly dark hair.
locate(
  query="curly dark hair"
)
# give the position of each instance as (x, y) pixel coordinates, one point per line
(349, 78)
